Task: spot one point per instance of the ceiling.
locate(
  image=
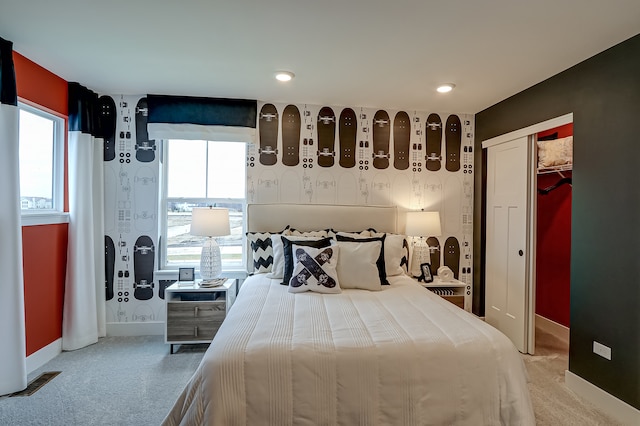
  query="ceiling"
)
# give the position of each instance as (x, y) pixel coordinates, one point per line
(360, 53)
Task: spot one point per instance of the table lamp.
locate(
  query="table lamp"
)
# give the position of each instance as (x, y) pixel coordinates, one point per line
(422, 224)
(210, 222)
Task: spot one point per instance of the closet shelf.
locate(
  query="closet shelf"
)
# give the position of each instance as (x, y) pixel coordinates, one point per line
(554, 169)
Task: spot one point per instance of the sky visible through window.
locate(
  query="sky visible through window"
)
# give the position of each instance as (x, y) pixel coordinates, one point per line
(36, 156)
(188, 169)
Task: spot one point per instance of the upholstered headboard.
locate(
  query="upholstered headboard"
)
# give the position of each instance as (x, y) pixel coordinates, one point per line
(312, 217)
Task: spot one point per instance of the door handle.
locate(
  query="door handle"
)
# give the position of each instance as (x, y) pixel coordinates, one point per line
(520, 252)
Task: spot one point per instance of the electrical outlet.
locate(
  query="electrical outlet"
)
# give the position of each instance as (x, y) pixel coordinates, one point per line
(602, 350)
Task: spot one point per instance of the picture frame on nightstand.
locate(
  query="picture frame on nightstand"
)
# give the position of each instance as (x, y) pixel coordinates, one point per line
(426, 276)
(186, 274)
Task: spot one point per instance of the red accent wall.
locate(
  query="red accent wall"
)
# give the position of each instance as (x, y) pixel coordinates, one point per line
(44, 248)
(553, 254)
(45, 261)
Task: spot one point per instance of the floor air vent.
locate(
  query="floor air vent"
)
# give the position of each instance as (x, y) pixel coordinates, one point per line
(37, 383)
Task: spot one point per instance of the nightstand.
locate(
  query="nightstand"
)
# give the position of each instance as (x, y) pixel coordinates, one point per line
(195, 313)
(454, 291)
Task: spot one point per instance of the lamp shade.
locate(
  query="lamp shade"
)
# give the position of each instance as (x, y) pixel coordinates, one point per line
(210, 222)
(423, 224)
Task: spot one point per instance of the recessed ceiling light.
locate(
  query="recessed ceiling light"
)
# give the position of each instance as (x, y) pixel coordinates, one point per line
(446, 88)
(284, 75)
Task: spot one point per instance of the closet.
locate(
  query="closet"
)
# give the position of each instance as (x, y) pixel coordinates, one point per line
(528, 223)
(553, 230)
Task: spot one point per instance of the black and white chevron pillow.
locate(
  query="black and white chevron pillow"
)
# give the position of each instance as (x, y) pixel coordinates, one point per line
(262, 251)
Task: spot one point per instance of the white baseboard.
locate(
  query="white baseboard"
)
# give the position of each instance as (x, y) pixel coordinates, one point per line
(44, 355)
(151, 328)
(553, 328)
(607, 403)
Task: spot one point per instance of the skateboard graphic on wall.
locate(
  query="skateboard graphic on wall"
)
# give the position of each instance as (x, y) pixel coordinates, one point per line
(434, 254)
(143, 258)
(326, 137)
(453, 136)
(381, 135)
(145, 148)
(109, 265)
(348, 133)
(108, 120)
(291, 136)
(401, 140)
(268, 150)
(434, 142)
(452, 255)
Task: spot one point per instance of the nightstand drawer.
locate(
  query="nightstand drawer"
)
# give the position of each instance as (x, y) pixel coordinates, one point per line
(196, 310)
(192, 331)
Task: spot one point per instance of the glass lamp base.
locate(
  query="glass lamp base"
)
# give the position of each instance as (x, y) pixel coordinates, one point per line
(421, 255)
(210, 260)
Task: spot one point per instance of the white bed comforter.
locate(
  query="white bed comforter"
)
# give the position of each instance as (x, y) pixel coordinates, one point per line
(401, 356)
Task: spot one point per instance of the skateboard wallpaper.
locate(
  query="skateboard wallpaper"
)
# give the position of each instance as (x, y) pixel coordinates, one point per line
(308, 154)
(326, 154)
(131, 171)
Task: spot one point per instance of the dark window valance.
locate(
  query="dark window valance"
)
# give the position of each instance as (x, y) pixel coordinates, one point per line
(8, 91)
(202, 111)
(194, 118)
(83, 106)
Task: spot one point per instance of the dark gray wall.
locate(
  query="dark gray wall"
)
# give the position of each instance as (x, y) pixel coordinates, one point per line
(603, 93)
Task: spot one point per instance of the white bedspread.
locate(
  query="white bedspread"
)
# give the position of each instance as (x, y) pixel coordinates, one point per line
(401, 356)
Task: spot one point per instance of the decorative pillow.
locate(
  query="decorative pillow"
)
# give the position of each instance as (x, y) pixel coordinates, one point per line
(362, 234)
(357, 265)
(396, 254)
(262, 251)
(315, 270)
(382, 273)
(296, 233)
(277, 269)
(555, 152)
(287, 243)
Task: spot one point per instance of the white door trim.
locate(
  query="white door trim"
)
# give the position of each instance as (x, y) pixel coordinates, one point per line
(534, 128)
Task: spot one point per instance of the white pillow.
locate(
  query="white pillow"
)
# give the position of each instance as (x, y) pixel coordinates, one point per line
(555, 152)
(357, 265)
(277, 269)
(315, 270)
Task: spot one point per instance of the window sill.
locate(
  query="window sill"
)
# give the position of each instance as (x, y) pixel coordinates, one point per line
(34, 219)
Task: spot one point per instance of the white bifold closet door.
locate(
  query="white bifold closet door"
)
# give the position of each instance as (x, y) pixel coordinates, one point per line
(507, 245)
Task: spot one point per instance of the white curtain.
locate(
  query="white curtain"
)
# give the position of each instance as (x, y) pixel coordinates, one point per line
(84, 299)
(13, 367)
(13, 361)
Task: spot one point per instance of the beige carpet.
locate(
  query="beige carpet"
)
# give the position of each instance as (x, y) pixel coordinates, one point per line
(553, 403)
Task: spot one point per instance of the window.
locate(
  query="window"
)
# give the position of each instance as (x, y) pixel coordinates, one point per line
(200, 174)
(41, 161)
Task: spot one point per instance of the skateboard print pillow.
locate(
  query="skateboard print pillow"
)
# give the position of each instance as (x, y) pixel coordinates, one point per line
(261, 250)
(287, 249)
(315, 270)
(357, 265)
(555, 152)
(380, 263)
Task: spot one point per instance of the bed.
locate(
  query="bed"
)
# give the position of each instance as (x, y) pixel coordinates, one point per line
(396, 354)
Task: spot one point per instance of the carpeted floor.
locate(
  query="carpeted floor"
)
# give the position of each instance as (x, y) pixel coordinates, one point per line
(553, 403)
(117, 381)
(134, 381)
